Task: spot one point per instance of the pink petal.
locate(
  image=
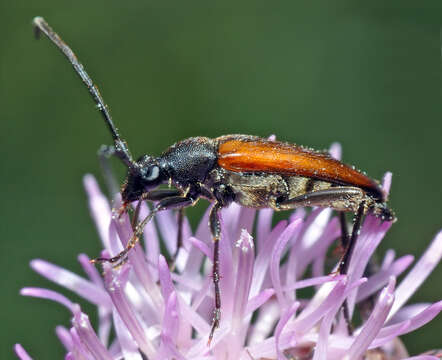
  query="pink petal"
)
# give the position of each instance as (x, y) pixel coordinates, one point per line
(138, 261)
(374, 323)
(313, 282)
(335, 151)
(418, 320)
(165, 279)
(258, 300)
(418, 274)
(47, 294)
(90, 270)
(262, 260)
(285, 317)
(65, 338)
(71, 281)
(243, 278)
(263, 226)
(21, 352)
(80, 350)
(386, 182)
(151, 240)
(129, 348)
(88, 336)
(115, 286)
(380, 279)
(168, 227)
(276, 258)
(99, 208)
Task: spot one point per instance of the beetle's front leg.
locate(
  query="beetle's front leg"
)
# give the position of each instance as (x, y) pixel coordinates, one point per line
(167, 203)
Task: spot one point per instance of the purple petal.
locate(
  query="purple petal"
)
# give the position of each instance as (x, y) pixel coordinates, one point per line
(318, 248)
(99, 208)
(138, 261)
(195, 256)
(374, 322)
(408, 311)
(202, 247)
(276, 258)
(313, 282)
(423, 357)
(418, 274)
(285, 317)
(171, 321)
(80, 350)
(243, 278)
(88, 336)
(90, 270)
(115, 287)
(65, 338)
(71, 281)
(380, 279)
(168, 226)
(262, 261)
(319, 306)
(371, 235)
(258, 300)
(226, 273)
(264, 325)
(321, 349)
(151, 240)
(263, 226)
(47, 294)
(129, 348)
(386, 182)
(335, 151)
(196, 320)
(21, 352)
(310, 235)
(418, 320)
(165, 279)
(388, 259)
(387, 334)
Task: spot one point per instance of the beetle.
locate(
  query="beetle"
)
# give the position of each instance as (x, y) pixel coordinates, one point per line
(249, 170)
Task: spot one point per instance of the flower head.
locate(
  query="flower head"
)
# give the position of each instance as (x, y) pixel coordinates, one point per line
(158, 314)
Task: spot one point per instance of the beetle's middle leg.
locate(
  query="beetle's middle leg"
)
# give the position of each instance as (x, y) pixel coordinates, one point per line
(215, 229)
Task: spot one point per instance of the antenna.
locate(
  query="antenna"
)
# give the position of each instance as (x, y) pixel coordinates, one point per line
(121, 149)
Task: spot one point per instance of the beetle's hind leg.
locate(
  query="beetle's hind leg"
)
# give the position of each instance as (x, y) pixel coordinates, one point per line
(342, 199)
(348, 244)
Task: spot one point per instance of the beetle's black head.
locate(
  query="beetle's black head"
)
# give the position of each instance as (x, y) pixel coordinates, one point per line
(145, 175)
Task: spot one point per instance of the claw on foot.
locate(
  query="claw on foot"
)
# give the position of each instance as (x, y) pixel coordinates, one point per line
(215, 325)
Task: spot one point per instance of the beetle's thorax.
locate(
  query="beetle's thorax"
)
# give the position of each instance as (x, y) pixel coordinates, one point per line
(187, 163)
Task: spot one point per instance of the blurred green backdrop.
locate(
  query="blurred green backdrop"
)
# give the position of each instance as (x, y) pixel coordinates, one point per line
(366, 74)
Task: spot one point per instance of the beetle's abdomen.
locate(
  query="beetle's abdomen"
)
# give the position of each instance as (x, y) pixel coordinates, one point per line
(251, 154)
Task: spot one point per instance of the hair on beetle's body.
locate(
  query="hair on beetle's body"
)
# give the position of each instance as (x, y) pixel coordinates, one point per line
(233, 168)
(248, 170)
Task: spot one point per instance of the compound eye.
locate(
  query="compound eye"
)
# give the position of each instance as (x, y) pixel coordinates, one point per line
(152, 173)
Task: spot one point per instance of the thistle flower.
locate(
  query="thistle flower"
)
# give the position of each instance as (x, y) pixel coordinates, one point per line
(158, 314)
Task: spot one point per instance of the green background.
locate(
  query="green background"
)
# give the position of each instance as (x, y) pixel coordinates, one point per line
(366, 74)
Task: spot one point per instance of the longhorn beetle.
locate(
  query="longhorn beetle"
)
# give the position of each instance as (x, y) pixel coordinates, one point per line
(248, 170)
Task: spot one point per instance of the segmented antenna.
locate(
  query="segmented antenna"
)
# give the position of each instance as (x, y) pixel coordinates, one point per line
(121, 149)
